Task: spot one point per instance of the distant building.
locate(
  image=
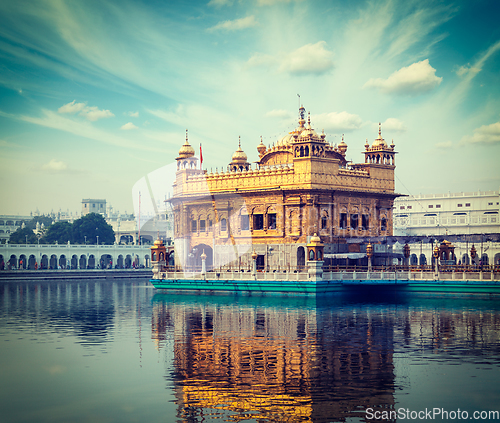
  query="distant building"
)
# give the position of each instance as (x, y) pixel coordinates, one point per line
(90, 205)
(10, 224)
(452, 214)
(470, 218)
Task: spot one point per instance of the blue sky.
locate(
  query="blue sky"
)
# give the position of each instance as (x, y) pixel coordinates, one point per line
(94, 95)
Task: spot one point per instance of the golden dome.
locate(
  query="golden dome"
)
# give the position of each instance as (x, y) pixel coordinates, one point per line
(186, 151)
(239, 155)
(315, 238)
(379, 141)
(342, 147)
(158, 243)
(261, 148)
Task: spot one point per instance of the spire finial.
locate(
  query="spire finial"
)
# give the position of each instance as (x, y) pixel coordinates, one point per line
(186, 135)
(309, 118)
(379, 129)
(239, 141)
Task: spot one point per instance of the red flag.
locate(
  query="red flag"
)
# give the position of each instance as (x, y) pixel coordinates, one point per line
(201, 156)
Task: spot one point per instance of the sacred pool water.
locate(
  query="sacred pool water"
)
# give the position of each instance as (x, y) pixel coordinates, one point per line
(104, 351)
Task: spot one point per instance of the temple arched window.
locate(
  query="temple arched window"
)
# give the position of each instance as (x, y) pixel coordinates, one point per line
(324, 220)
(223, 224)
(301, 151)
(306, 151)
(311, 255)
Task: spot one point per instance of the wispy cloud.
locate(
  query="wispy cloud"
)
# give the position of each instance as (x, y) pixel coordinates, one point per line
(91, 113)
(282, 114)
(337, 122)
(444, 145)
(470, 71)
(394, 125)
(54, 166)
(313, 59)
(128, 126)
(50, 119)
(220, 3)
(417, 78)
(235, 25)
(273, 2)
(133, 114)
(486, 134)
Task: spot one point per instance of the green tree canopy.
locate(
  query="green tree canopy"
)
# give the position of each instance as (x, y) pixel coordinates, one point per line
(91, 226)
(19, 237)
(62, 232)
(46, 220)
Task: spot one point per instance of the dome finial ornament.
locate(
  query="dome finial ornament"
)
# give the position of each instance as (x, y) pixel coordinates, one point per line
(186, 150)
(379, 130)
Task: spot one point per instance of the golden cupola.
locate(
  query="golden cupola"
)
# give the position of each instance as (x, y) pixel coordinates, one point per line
(186, 150)
(261, 148)
(239, 161)
(379, 141)
(342, 147)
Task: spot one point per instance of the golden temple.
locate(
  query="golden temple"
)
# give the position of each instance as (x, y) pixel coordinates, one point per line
(301, 185)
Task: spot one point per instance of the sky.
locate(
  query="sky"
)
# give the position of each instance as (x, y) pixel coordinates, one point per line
(95, 95)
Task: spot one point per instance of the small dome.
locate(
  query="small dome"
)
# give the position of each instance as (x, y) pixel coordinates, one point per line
(286, 140)
(342, 146)
(158, 242)
(315, 238)
(379, 141)
(186, 151)
(261, 148)
(239, 155)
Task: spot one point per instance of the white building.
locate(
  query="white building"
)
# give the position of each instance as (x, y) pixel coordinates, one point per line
(465, 217)
(447, 214)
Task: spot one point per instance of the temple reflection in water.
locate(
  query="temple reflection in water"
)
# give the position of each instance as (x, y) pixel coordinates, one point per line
(258, 359)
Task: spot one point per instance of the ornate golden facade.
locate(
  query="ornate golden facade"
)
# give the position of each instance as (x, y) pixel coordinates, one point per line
(301, 185)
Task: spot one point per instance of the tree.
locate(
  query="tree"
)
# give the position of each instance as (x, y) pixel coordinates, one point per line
(19, 237)
(46, 220)
(93, 225)
(62, 232)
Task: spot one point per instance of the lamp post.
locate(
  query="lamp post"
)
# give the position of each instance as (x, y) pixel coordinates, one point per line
(436, 256)
(254, 260)
(98, 259)
(85, 236)
(203, 263)
(369, 254)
